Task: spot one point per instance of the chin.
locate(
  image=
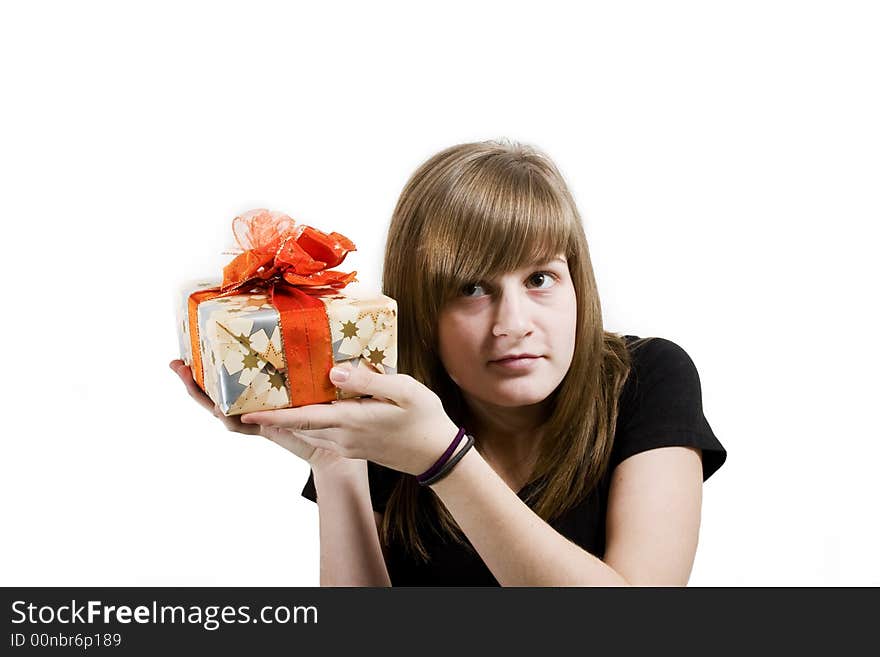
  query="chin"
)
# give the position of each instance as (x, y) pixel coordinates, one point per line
(511, 394)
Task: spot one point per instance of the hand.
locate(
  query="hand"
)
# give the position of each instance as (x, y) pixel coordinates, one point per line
(316, 457)
(403, 426)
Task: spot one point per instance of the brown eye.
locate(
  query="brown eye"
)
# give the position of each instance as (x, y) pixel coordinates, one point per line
(542, 277)
(468, 289)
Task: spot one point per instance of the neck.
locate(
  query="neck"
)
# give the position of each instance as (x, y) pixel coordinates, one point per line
(507, 437)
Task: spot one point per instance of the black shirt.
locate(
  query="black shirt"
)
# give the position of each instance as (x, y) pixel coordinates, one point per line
(660, 406)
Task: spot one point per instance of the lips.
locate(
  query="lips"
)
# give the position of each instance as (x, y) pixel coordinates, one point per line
(504, 359)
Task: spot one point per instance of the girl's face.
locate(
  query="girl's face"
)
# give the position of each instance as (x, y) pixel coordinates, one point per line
(531, 311)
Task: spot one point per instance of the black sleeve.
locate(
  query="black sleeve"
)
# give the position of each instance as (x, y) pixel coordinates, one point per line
(662, 406)
(382, 481)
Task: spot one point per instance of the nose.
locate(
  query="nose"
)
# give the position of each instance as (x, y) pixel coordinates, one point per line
(511, 317)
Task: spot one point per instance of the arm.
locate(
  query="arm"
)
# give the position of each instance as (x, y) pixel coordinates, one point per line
(351, 554)
(653, 519)
(521, 549)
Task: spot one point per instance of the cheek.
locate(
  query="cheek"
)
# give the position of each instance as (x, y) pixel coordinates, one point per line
(458, 344)
(563, 331)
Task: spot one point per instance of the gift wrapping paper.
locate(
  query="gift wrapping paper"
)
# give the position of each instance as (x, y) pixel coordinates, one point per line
(243, 355)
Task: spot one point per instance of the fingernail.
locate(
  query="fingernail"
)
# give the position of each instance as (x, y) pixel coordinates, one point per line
(338, 375)
(246, 419)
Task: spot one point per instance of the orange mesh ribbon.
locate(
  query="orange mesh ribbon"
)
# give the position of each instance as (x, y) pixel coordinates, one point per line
(291, 263)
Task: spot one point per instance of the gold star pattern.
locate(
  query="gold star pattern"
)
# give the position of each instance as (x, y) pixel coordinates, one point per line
(273, 357)
(250, 400)
(251, 361)
(372, 314)
(349, 330)
(274, 360)
(275, 379)
(377, 356)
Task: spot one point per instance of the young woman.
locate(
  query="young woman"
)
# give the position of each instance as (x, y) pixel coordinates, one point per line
(521, 444)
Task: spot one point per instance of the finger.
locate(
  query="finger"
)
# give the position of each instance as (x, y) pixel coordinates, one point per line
(306, 418)
(275, 434)
(399, 389)
(232, 424)
(327, 435)
(182, 370)
(315, 441)
(300, 445)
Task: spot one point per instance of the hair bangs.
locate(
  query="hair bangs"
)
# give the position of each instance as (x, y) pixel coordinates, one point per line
(495, 222)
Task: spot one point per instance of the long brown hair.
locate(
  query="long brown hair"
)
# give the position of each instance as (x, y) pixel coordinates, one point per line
(470, 212)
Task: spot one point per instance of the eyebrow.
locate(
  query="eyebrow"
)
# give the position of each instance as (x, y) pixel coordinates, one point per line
(556, 259)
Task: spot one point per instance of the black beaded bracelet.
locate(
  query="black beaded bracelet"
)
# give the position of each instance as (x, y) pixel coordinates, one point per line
(450, 463)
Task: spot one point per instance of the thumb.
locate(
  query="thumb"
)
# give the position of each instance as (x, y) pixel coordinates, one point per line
(341, 374)
(366, 381)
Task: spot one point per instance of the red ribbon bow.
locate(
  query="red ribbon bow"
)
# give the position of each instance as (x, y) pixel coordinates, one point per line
(276, 248)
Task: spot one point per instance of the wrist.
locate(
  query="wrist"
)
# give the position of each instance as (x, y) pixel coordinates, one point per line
(341, 469)
(455, 451)
(438, 442)
(464, 468)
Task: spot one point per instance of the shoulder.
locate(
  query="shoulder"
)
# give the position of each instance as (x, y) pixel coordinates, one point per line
(659, 367)
(661, 404)
(654, 358)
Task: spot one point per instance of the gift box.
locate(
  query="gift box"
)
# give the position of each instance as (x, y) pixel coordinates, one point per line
(266, 336)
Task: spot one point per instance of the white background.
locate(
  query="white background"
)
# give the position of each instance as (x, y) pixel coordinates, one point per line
(724, 157)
